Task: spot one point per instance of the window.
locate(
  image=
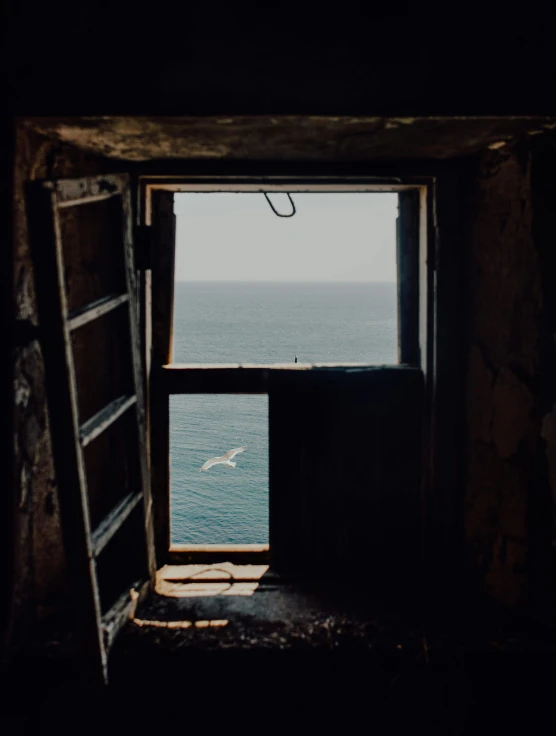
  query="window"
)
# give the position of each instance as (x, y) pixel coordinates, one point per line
(343, 496)
(348, 496)
(266, 279)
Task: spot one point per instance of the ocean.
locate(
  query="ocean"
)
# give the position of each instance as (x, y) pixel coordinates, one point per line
(246, 322)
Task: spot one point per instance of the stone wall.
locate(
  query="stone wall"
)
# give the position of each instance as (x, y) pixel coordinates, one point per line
(510, 442)
(509, 493)
(39, 585)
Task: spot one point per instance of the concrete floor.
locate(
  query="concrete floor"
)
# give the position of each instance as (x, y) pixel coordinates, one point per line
(239, 645)
(235, 608)
(225, 646)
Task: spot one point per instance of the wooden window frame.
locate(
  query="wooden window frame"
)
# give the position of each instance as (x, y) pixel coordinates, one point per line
(417, 311)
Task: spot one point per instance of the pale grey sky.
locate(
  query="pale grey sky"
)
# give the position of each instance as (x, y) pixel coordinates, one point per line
(332, 237)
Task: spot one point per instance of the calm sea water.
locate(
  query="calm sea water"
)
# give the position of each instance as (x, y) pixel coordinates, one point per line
(256, 323)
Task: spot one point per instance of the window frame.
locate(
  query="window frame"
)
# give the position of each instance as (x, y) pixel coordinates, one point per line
(416, 320)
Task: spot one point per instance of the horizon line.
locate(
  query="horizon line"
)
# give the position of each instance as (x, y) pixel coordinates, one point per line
(279, 281)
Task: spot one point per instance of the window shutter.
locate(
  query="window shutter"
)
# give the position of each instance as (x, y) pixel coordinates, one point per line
(345, 468)
(82, 236)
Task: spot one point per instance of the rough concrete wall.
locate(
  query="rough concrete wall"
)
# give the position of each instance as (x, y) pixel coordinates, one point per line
(38, 559)
(506, 493)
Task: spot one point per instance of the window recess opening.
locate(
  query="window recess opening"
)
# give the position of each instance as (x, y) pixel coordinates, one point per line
(276, 292)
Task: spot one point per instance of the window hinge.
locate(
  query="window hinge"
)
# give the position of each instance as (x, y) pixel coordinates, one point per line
(143, 248)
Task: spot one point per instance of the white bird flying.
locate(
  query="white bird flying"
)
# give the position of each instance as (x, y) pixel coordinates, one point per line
(224, 459)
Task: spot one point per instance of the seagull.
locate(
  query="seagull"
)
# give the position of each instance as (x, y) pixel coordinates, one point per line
(224, 459)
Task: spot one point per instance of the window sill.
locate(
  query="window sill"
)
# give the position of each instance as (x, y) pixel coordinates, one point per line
(241, 554)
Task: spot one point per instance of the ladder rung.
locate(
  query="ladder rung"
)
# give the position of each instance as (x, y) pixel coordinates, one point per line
(104, 418)
(92, 311)
(110, 525)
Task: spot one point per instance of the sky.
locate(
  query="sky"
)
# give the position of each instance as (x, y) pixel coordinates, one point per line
(332, 237)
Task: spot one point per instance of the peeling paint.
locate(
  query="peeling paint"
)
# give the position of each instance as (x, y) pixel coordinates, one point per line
(289, 137)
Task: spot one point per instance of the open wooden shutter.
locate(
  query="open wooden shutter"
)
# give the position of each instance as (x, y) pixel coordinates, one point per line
(85, 280)
(345, 475)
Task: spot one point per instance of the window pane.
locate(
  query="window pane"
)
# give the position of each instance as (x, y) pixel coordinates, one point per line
(221, 505)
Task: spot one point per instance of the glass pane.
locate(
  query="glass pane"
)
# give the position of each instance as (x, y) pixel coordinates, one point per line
(222, 504)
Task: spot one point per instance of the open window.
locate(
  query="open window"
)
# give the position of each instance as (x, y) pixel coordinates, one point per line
(344, 440)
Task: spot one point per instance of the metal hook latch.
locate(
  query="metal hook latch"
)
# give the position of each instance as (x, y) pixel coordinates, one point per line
(292, 213)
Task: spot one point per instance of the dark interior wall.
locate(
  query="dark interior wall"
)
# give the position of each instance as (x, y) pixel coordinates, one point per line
(508, 505)
(544, 231)
(252, 58)
(67, 59)
(509, 310)
(37, 557)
